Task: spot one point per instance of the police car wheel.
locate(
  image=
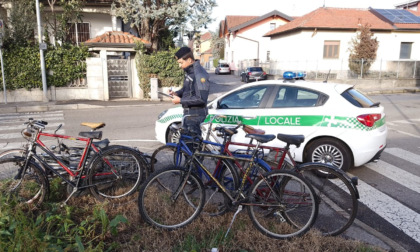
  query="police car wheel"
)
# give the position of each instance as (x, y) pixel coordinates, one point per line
(173, 137)
(329, 151)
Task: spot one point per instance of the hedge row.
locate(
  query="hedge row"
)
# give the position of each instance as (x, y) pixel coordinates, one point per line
(63, 64)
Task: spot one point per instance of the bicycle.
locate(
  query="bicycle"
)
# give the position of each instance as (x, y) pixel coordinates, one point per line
(111, 174)
(178, 153)
(337, 193)
(281, 204)
(72, 154)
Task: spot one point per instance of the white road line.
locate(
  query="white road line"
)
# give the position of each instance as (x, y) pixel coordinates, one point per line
(50, 126)
(405, 121)
(391, 210)
(396, 174)
(404, 133)
(9, 136)
(406, 155)
(133, 140)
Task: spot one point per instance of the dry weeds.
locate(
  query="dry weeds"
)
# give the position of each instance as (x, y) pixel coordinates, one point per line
(207, 232)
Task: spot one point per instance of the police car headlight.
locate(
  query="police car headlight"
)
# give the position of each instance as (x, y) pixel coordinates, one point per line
(162, 114)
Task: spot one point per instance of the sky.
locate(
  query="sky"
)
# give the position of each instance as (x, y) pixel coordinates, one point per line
(291, 8)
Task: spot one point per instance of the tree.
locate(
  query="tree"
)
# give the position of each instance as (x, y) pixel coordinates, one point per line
(218, 47)
(58, 22)
(150, 17)
(363, 50)
(20, 28)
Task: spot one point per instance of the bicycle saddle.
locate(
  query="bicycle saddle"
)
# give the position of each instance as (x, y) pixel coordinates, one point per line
(91, 134)
(93, 126)
(291, 139)
(261, 138)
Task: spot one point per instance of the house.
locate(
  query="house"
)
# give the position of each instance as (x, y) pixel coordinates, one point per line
(96, 19)
(409, 5)
(111, 71)
(244, 37)
(321, 39)
(203, 50)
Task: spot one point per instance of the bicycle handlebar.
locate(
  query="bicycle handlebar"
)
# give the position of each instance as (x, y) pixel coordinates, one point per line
(36, 123)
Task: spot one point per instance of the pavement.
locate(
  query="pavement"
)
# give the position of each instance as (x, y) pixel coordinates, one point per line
(358, 231)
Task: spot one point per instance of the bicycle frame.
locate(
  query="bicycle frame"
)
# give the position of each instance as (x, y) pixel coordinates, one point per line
(78, 174)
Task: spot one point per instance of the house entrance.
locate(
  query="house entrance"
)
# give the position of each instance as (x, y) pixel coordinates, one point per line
(119, 81)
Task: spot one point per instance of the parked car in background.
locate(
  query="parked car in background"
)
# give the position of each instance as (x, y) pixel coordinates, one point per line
(299, 75)
(222, 68)
(342, 127)
(253, 74)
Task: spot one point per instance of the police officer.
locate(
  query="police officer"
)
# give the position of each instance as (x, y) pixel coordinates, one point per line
(191, 96)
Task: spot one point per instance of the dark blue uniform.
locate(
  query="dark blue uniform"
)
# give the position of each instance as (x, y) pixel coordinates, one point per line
(194, 98)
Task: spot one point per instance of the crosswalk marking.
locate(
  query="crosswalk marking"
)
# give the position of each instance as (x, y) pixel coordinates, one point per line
(391, 210)
(50, 126)
(12, 124)
(406, 155)
(404, 133)
(396, 174)
(19, 118)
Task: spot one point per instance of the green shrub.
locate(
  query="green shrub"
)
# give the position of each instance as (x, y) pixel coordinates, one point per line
(161, 65)
(23, 69)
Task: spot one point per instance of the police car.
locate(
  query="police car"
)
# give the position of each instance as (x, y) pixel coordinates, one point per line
(341, 126)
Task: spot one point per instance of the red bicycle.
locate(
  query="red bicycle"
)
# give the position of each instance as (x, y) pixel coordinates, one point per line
(111, 173)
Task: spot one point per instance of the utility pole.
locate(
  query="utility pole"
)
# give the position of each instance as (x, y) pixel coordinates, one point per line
(1, 58)
(42, 47)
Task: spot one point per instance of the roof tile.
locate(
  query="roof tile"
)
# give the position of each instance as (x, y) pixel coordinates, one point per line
(334, 18)
(117, 37)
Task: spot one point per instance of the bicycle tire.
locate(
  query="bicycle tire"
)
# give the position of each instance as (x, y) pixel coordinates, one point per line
(282, 205)
(156, 206)
(120, 180)
(164, 156)
(226, 174)
(12, 153)
(30, 189)
(337, 198)
(141, 158)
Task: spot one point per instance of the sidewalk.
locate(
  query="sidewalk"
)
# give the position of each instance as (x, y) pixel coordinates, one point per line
(20, 107)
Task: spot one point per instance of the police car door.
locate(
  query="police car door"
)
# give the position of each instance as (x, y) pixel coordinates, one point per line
(243, 105)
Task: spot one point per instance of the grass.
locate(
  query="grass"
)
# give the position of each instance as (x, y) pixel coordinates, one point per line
(87, 225)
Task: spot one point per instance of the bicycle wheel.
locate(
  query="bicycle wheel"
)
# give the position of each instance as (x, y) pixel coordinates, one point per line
(282, 205)
(257, 170)
(114, 174)
(337, 198)
(226, 175)
(169, 206)
(29, 188)
(165, 156)
(12, 153)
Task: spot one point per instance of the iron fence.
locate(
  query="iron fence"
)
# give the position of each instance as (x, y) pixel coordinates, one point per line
(341, 68)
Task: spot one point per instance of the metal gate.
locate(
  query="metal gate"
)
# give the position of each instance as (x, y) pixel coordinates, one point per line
(119, 81)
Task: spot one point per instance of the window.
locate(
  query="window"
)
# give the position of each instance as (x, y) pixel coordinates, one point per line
(331, 49)
(245, 98)
(272, 26)
(298, 97)
(405, 51)
(79, 33)
(357, 99)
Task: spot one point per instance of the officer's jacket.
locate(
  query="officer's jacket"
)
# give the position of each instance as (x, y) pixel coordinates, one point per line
(191, 94)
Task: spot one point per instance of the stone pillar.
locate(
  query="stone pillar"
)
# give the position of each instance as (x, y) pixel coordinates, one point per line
(103, 56)
(154, 89)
